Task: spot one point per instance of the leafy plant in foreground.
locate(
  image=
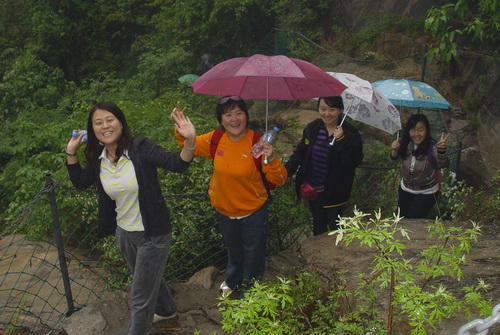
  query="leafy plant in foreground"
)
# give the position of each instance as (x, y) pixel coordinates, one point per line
(411, 295)
(304, 304)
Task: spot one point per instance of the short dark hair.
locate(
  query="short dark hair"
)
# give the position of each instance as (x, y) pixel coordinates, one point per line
(227, 105)
(335, 102)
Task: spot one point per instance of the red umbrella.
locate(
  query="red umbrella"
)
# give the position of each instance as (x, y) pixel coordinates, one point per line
(267, 77)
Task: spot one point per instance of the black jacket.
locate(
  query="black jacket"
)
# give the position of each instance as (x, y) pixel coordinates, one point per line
(146, 156)
(343, 158)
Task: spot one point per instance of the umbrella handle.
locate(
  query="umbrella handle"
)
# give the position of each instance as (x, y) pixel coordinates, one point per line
(341, 122)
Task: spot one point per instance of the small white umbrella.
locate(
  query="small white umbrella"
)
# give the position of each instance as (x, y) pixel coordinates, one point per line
(366, 104)
(356, 86)
(379, 113)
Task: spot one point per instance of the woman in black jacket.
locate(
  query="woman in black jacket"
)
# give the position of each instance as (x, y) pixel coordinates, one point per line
(326, 158)
(131, 205)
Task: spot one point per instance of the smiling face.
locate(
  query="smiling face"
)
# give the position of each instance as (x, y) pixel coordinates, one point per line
(107, 128)
(234, 120)
(419, 133)
(329, 115)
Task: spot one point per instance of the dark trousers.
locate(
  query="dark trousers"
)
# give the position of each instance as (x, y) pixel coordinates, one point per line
(324, 219)
(416, 206)
(146, 258)
(245, 240)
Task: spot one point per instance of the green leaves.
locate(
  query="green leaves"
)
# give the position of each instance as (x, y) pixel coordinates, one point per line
(453, 19)
(302, 304)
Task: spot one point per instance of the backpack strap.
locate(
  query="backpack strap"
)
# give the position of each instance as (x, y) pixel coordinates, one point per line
(258, 164)
(214, 141)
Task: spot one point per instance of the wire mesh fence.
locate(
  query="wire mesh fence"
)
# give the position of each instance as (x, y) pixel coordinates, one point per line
(44, 279)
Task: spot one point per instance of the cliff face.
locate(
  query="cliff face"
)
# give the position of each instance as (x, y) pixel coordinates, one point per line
(469, 75)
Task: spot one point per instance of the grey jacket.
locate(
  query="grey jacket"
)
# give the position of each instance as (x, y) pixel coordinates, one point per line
(426, 170)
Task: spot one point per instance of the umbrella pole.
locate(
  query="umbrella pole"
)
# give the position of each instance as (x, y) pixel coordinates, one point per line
(341, 122)
(267, 111)
(267, 100)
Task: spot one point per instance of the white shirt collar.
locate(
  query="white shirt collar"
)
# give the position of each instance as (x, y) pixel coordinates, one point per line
(104, 152)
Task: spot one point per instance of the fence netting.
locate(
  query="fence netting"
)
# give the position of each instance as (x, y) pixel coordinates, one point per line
(60, 266)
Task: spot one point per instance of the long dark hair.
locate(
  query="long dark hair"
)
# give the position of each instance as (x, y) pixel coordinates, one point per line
(94, 147)
(422, 148)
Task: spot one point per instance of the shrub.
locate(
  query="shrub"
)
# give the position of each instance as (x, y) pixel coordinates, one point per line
(303, 304)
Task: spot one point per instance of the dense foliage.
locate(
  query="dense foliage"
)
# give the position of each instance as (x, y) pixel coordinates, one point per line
(59, 57)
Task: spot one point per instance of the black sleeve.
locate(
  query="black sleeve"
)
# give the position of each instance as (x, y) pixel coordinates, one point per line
(81, 178)
(350, 148)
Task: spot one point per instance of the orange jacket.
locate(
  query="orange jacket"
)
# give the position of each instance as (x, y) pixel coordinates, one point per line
(236, 187)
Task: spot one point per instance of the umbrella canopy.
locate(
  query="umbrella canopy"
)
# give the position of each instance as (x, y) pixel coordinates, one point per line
(267, 77)
(355, 86)
(409, 93)
(188, 78)
(379, 113)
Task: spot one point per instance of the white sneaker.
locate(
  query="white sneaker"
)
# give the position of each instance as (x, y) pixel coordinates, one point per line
(158, 318)
(224, 288)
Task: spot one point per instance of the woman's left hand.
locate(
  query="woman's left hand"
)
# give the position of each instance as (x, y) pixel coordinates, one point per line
(338, 132)
(268, 151)
(441, 144)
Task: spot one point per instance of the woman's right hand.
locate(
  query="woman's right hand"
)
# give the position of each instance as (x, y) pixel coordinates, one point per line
(74, 143)
(395, 145)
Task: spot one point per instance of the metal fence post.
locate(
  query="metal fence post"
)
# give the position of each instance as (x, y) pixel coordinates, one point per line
(49, 183)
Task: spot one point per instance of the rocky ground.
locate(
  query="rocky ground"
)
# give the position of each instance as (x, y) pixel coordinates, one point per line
(197, 298)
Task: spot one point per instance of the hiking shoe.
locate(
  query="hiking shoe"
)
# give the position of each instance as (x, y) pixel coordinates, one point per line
(224, 288)
(158, 318)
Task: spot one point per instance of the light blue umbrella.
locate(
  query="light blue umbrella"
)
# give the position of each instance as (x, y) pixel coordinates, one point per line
(410, 93)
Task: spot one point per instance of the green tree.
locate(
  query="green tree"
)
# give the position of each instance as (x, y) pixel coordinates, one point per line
(231, 27)
(28, 84)
(477, 19)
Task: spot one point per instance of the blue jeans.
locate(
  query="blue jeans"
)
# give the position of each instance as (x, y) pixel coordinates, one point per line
(245, 240)
(324, 219)
(146, 257)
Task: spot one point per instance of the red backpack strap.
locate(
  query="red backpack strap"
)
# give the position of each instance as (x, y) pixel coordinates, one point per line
(214, 141)
(255, 139)
(258, 164)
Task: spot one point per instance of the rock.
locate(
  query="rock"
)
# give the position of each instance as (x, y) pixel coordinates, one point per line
(204, 277)
(108, 316)
(88, 321)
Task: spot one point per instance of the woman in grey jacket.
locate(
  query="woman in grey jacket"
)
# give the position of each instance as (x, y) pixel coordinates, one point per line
(131, 205)
(421, 159)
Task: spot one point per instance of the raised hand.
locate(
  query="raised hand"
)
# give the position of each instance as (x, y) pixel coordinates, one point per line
(74, 143)
(441, 144)
(182, 123)
(177, 110)
(338, 132)
(396, 145)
